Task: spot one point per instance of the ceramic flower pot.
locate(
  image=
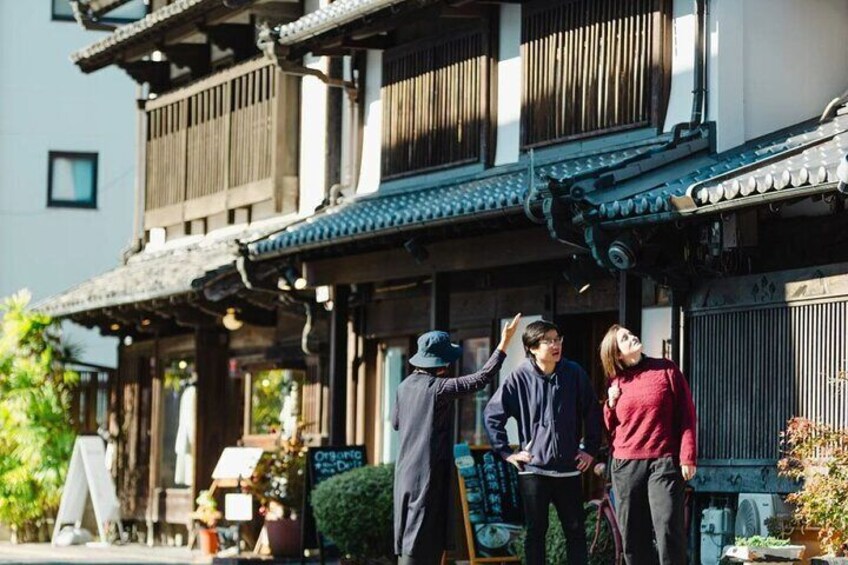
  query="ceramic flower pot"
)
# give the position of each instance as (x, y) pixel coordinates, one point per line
(208, 541)
(284, 537)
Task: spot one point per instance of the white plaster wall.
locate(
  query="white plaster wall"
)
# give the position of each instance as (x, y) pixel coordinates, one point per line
(773, 63)
(313, 129)
(656, 327)
(683, 29)
(46, 104)
(509, 85)
(372, 127)
(794, 56)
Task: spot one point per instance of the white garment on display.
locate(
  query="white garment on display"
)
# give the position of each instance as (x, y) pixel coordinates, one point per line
(184, 444)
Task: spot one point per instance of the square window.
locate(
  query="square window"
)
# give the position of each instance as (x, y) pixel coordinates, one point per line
(72, 180)
(125, 13)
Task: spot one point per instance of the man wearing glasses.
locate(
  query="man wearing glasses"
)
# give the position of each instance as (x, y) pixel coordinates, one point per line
(552, 400)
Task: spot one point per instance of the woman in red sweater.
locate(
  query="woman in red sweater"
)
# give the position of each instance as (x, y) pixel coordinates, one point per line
(650, 416)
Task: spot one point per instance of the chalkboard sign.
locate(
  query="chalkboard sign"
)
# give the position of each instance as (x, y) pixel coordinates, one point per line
(323, 463)
(491, 503)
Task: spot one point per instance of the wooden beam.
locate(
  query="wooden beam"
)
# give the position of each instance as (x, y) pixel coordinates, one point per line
(338, 365)
(155, 73)
(440, 302)
(630, 302)
(488, 251)
(239, 38)
(379, 42)
(214, 414)
(195, 56)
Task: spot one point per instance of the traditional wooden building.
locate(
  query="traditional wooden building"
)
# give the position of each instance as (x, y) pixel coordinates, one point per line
(750, 242)
(425, 164)
(218, 141)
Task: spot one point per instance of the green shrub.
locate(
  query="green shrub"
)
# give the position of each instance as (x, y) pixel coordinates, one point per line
(35, 408)
(604, 552)
(354, 510)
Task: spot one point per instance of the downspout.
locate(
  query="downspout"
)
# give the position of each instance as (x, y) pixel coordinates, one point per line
(137, 242)
(699, 90)
(251, 285)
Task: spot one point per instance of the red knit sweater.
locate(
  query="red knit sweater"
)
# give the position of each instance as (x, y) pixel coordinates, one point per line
(654, 416)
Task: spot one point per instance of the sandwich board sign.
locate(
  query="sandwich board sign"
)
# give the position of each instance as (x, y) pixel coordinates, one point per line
(87, 474)
(237, 463)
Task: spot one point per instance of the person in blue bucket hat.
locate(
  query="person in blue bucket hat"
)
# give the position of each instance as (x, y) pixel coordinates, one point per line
(422, 416)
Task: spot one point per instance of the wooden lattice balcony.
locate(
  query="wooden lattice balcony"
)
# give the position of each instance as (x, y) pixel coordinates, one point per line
(226, 142)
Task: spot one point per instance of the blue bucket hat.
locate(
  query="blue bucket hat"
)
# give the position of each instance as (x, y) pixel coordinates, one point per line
(435, 350)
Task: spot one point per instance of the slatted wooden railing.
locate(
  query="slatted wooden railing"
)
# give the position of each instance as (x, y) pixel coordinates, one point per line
(224, 142)
(592, 66)
(434, 102)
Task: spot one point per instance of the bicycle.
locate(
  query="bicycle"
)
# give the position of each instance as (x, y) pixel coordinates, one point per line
(604, 507)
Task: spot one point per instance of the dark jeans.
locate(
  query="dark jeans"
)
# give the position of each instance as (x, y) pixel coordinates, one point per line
(566, 494)
(650, 492)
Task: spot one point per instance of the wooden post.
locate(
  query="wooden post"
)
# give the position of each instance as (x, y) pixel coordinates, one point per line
(338, 365)
(676, 305)
(211, 420)
(630, 302)
(440, 302)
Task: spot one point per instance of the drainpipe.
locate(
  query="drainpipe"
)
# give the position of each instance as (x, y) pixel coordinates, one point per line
(699, 90)
(252, 285)
(136, 243)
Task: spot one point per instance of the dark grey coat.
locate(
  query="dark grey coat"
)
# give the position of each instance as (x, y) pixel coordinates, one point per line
(422, 472)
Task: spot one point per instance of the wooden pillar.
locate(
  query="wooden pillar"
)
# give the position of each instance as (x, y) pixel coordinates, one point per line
(630, 302)
(213, 416)
(338, 365)
(440, 302)
(679, 333)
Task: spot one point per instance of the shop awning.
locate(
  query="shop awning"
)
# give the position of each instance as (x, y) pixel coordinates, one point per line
(792, 163)
(157, 275)
(496, 192)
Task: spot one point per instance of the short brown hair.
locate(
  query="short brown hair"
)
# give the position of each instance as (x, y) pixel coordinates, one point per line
(610, 353)
(535, 332)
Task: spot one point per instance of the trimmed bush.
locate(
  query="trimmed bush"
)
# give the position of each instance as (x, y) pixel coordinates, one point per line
(604, 553)
(354, 510)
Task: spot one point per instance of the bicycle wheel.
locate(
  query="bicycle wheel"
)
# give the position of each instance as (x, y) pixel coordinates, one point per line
(602, 535)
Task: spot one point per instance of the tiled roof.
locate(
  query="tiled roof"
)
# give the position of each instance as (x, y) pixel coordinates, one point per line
(497, 191)
(140, 29)
(158, 274)
(333, 15)
(100, 7)
(805, 155)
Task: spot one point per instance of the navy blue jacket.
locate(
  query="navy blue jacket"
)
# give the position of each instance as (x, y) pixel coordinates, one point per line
(551, 413)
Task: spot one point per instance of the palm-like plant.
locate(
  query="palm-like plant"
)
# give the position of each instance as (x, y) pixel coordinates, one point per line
(35, 402)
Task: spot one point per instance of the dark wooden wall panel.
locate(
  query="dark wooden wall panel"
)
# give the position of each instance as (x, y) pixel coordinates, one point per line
(435, 101)
(592, 66)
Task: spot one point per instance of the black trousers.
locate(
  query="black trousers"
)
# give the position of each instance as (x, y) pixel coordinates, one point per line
(566, 494)
(649, 492)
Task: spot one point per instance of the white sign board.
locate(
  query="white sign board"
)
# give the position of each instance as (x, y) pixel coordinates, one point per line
(238, 507)
(237, 462)
(87, 474)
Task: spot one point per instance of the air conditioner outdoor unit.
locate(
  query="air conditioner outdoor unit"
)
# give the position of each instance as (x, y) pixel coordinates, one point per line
(754, 509)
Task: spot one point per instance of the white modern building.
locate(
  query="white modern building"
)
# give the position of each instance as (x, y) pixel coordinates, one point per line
(67, 159)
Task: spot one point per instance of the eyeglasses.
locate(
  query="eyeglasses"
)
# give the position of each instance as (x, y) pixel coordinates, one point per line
(550, 342)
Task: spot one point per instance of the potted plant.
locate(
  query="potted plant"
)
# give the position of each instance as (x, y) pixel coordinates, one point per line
(207, 512)
(763, 548)
(278, 484)
(817, 455)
